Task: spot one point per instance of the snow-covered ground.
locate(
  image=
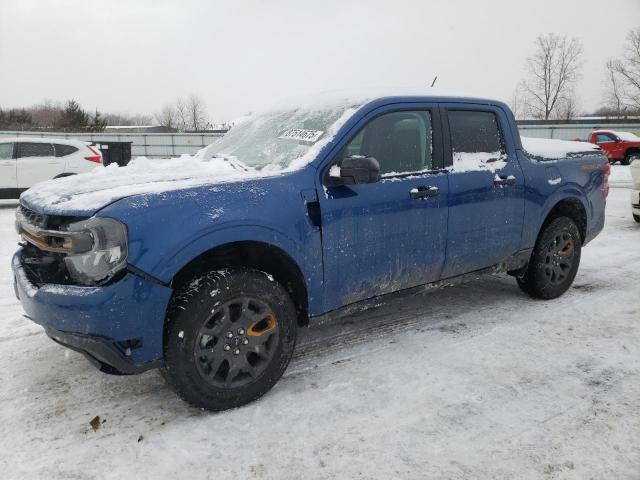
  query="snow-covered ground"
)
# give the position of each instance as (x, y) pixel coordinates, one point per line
(474, 381)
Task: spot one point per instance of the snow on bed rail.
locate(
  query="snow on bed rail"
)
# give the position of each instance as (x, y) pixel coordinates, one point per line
(557, 149)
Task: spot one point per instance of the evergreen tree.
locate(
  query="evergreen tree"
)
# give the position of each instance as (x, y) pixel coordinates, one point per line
(98, 123)
(73, 117)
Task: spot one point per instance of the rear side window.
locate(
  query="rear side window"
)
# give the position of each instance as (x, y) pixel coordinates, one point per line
(27, 149)
(475, 137)
(6, 151)
(64, 150)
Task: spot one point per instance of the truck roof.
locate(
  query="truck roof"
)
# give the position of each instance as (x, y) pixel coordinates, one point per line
(363, 96)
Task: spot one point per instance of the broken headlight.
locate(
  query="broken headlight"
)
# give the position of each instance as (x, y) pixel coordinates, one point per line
(100, 258)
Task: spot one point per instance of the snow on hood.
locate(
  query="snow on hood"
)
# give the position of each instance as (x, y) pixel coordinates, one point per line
(102, 186)
(556, 149)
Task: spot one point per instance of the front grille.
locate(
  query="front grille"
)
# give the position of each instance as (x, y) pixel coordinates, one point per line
(40, 265)
(37, 219)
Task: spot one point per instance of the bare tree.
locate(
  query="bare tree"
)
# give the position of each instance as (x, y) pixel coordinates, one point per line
(182, 115)
(553, 69)
(517, 103)
(567, 108)
(167, 117)
(628, 70)
(196, 113)
(614, 99)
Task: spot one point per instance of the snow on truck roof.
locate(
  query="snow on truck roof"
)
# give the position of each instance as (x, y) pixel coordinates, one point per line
(626, 136)
(362, 96)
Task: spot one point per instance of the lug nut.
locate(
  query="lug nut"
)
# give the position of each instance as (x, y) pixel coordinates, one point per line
(227, 347)
(236, 351)
(245, 341)
(229, 334)
(241, 331)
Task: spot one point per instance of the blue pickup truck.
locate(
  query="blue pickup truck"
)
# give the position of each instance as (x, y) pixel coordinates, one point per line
(205, 266)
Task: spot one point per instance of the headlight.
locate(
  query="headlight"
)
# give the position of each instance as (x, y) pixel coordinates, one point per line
(104, 256)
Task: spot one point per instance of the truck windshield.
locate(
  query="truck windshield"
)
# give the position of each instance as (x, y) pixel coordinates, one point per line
(285, 139)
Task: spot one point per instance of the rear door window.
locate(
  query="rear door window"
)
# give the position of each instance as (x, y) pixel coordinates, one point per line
(475, 138)
(28, 149)
(6, 151)
(64, 150)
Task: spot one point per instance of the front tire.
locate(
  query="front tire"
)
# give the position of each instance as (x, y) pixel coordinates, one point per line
(229, 337)
(555, 260)
(636, 218)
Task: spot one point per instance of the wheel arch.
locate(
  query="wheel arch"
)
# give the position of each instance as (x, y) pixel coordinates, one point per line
(571, 207)
(259, 255)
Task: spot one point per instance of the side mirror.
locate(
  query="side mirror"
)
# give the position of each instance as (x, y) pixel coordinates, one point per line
(356, 170)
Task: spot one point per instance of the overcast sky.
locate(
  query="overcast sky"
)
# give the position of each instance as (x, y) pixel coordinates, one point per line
(134, 56)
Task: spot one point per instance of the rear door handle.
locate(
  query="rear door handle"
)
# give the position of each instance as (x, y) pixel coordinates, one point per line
(424, 192)
(7, 164)
(507, 181)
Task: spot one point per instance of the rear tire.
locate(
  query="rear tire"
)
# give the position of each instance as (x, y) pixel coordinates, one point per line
(636, 218)
(229, 337)
(555, 260)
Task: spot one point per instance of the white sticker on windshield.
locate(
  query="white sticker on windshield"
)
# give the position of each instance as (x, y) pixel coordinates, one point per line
(302, 134)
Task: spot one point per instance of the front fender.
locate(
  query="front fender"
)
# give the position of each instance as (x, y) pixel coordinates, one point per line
(165, 267)
(168, 231)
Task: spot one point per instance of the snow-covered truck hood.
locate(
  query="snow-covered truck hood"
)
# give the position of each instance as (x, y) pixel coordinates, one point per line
(543, 148)
(87, 193)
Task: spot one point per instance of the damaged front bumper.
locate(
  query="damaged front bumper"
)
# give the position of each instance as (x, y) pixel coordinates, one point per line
(118, 326)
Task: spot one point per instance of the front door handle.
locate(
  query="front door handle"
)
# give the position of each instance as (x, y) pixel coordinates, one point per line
(507, 181)
(7, 164)
(424, 192)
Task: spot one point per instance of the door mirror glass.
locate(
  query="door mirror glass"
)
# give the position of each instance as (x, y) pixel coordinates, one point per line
(356, 170)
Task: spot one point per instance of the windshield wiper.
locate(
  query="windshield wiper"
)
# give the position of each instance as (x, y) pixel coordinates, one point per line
(235, 163)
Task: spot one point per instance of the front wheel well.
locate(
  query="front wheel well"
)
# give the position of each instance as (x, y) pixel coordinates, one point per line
(572, 208)
(257, 255)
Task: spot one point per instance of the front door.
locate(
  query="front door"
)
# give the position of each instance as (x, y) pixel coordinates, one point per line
(486, 189)
(389, 235)
(611, 145)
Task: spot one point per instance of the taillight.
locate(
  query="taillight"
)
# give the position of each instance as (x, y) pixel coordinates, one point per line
(96, 157)
(605, 183)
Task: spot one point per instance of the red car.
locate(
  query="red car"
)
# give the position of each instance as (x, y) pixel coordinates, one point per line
(617, 146)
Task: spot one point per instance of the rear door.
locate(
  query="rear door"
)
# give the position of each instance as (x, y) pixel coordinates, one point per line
(385, 236)
(486, 189)
(8, 175)
(37, 162)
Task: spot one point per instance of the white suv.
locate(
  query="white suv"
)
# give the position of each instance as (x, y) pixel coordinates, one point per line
(27, 161)
(635, 192)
